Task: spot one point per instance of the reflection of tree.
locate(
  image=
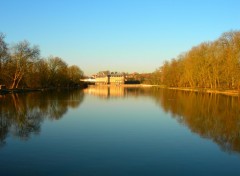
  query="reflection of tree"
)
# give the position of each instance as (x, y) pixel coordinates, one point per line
(210, 115)
(26, 119)
(59, 101)
(3, 130)
(22, 114)
(4, 121)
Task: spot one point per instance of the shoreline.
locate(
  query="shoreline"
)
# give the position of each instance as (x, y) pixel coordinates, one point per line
(209, 91)
(13, 91)
(124, 85)
(235, 93)
(10, 91)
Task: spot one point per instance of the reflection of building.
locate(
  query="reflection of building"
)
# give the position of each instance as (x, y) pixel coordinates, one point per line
(105, 91)
(105, 77)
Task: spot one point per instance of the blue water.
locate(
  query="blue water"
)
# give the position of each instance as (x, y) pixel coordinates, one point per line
(127, 132)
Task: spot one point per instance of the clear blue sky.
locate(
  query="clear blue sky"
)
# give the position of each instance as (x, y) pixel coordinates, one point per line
(117, 35)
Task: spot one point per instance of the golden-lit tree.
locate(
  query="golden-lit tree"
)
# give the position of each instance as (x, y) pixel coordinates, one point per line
(74, 74)
(209, 65)
(22, 66)
(22, 57)
(57, 72)
(3, 57)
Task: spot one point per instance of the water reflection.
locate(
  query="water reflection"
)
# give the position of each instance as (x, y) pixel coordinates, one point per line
(212, 116)
(108, 92)
(21, 115)
(216, 117)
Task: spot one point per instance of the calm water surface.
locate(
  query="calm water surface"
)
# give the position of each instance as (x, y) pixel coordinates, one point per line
(117, 131)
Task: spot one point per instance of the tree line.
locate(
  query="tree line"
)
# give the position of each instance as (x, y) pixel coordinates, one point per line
(213, 65)
(21, 66)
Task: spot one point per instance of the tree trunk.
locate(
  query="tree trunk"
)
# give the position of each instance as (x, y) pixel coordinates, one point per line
(16, 76)
(13, 84)
(18, 81)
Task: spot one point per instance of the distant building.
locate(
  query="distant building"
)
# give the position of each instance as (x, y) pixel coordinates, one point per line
(88, 80)
(117, 78)
(105, 77)
(102, 77)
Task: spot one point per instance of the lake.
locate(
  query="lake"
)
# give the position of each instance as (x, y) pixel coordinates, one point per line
(119, 131)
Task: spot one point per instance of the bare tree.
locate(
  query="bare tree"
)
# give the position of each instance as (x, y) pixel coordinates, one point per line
(57, 71)
(209, 65)
(22, 57)
(74, 74)
(3, 56)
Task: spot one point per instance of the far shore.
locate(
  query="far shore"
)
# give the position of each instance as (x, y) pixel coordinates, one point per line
(203, 90)
(124, 85)
(211, 91)
(26, 90)
(9, 91)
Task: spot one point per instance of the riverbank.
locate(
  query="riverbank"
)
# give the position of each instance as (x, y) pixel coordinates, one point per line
(26, 90)
(124, 85)
(203, 90)
(9, 91)
(223, 92)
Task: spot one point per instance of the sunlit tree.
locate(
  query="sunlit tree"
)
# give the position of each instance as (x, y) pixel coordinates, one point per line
(74, 74)
(3, 57)
(22, 57)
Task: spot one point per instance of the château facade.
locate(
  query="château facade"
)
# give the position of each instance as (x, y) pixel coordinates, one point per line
(106, 77)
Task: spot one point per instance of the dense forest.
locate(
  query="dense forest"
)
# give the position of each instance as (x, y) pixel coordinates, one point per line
(211, 65)
(21, 66)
